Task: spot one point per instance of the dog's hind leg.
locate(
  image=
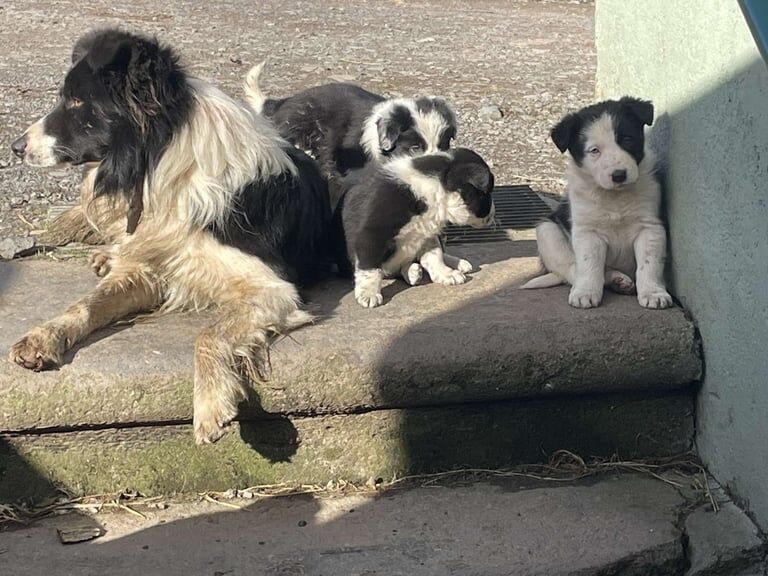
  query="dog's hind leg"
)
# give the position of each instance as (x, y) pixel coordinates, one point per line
(412, 272)
(460, 264)
(126, 291)
(556, 254)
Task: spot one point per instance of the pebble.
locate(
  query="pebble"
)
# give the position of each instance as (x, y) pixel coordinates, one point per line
(491, 112)
(14, 245)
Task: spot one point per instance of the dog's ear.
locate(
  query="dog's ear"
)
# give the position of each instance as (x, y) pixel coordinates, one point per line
(564, 131)
(643, 109)
(432, 164)
(476, 175)
(391, 125)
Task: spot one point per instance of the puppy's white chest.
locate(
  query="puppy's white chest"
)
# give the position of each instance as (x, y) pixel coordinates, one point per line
(411, 238)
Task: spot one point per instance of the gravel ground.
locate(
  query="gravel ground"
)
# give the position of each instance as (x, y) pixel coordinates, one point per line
(534, 60)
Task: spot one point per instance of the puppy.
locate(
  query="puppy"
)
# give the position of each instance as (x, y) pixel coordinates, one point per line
(608, 230)
(390, 215)
(206, 204)
(344, 126)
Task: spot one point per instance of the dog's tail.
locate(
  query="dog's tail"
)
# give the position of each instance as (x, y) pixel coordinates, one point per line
(546, 281)
(253, 94)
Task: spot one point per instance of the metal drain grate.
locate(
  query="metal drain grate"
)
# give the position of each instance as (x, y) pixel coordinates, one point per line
(517, 208)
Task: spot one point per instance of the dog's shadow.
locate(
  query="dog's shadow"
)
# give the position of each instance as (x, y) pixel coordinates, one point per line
(101, 334)
(271, 435)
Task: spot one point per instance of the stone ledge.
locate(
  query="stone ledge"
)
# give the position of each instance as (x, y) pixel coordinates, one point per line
(428, 345)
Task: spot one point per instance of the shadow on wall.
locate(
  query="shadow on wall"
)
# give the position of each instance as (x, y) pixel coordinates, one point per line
(714, 153)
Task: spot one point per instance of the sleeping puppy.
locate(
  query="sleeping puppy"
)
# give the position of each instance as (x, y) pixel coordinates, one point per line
(344, 126)
(389, 218)
(607, 232)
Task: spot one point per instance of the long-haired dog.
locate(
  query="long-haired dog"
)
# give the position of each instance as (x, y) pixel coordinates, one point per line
(344, 126)
(390, 216)
(207, 204)
(608, 230)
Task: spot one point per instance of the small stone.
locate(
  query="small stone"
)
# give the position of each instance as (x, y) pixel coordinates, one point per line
(302, 523)
(235, 59)
(15, 245)
(490, 112)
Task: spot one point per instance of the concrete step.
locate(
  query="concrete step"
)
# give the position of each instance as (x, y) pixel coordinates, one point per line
(510, 375)
(627, 525)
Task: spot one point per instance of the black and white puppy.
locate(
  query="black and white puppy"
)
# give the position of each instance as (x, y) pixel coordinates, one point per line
(391, 214)
(344, 126)
(608, 231)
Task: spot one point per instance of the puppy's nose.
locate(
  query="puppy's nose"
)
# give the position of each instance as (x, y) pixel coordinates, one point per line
(619, 176)
(19, 146)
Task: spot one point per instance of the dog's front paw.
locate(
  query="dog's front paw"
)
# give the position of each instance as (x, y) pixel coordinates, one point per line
(101, 263)
(656, 299)
(211, 421)
(370, 300)
(40, 349)
(449, 277)
(464, 266)
(581, 298)
(413, 274)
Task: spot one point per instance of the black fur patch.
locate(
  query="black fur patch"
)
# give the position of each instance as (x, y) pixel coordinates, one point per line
(630, 116)
(562, 215)
(284, 221)
(326, 120)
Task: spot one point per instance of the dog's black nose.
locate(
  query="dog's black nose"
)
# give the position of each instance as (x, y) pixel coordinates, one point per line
(619, 176)
(19, 146)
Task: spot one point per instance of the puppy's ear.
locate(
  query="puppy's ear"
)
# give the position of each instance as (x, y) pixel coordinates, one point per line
(476, 175)
(643, 109)
(564, 131)
(391, 125)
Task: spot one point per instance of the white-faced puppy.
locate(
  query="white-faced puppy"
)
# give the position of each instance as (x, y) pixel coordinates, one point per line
(608, 231)
(208, 206)
(344, 126)
(390, 215)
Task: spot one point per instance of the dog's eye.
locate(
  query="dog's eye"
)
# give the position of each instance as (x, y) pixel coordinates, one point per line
(415, 148)
(74, 103)
(594, 151)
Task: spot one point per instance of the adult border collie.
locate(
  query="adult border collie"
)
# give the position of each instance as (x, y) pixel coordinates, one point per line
(608, 230)
(392, 214)
(207, 204)
(344, 126)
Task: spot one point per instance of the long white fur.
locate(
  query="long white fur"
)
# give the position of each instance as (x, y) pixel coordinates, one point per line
(616, 233)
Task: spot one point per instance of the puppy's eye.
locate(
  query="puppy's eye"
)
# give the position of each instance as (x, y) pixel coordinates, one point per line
(74, 103)
(594, 151)
(415, 148)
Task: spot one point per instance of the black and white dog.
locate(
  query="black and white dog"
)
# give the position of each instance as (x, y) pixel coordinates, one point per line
(392, 214)
(608, 231)
(344, 126)
(206, 204)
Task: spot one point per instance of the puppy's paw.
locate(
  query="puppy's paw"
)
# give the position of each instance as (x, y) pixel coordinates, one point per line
(370, 300)
(40, 349)
(101, 263)
(210, 423)
(620, 282)
(449, 277)
(413, 274)
(656, 299)
(581, 298)
(464, 266)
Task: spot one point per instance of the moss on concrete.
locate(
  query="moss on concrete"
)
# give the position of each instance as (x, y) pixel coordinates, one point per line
(163, 459)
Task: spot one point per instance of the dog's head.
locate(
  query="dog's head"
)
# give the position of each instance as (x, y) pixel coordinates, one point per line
(607, 139)
(469, 182)
(120, 103)
(407, 126)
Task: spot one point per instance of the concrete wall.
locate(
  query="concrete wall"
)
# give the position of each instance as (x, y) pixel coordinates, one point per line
(699, 64)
